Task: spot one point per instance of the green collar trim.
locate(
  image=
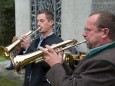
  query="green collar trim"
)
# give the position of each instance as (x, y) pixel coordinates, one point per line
(97, 51)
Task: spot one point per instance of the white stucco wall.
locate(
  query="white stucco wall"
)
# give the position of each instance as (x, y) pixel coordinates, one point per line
(74, 15)
(22, 16)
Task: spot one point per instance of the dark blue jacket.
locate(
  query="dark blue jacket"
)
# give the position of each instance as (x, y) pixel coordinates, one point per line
(35, 73)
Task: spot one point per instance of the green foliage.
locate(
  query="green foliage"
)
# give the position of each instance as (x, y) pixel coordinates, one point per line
(7, 21)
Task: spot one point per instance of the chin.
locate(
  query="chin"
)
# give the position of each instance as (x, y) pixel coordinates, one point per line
(40, 31)
(89, 46)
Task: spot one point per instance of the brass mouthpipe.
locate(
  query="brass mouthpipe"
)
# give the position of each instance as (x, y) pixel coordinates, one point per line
(5, 51)
(69, 46)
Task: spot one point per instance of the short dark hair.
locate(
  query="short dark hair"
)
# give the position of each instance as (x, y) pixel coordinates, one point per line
(49, 14)
(106, 20)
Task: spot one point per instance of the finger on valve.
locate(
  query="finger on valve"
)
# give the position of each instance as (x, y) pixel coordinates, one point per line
(45, 53)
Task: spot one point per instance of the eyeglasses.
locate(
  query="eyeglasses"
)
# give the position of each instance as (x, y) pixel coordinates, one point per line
(87, 29)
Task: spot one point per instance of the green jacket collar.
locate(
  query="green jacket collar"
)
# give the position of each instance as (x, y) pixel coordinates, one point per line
(95, 51)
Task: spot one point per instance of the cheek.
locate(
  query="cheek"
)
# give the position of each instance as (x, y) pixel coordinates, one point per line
(91, 37)
(45, 24)
(95, 38)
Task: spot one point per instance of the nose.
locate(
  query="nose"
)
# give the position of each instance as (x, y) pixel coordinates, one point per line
(84, 34)
(38, 23)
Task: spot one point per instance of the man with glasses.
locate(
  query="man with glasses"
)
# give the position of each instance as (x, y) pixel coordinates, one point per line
(98, 67)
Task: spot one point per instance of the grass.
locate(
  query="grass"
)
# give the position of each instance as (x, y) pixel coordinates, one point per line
(2, 59)
(7, 82)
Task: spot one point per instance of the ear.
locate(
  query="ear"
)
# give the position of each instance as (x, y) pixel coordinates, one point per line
(51, 22)
(105, 32)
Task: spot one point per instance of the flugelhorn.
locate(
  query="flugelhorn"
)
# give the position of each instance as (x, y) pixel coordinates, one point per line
(5, 51)
(22, 60)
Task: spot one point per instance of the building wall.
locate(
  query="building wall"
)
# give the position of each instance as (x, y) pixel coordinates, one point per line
(74, 14)
(22, 16)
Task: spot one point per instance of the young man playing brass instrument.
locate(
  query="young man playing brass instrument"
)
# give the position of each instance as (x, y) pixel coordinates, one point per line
(35, 72)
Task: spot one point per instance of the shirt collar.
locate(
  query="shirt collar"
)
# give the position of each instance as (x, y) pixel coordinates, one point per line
(41, 38)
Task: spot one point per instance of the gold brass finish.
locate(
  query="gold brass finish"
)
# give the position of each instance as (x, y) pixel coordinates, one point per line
(5, 51)
(22, 60)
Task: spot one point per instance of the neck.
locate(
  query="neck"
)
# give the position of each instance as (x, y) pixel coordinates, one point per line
(105, 41)
(44, 35)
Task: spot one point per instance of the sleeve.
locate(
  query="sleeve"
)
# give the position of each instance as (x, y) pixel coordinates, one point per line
(98, 74)
(67, 68)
